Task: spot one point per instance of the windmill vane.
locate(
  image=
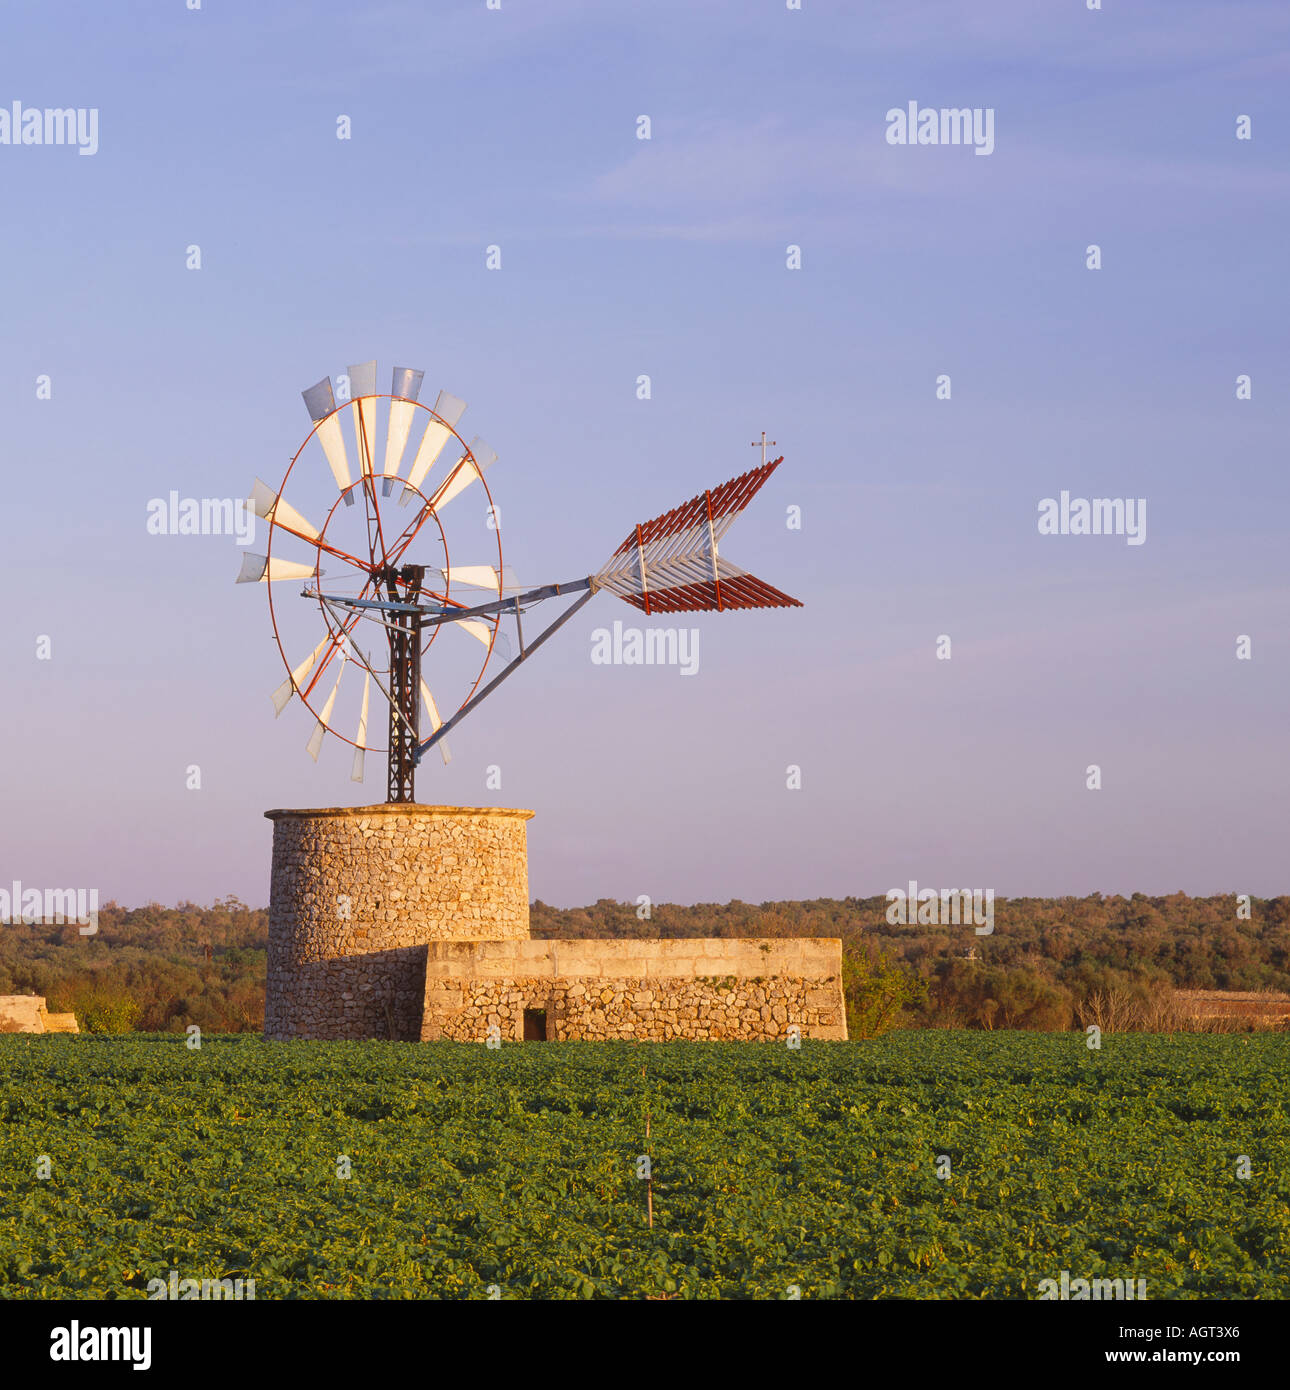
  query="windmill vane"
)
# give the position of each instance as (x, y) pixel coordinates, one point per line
(396, 617)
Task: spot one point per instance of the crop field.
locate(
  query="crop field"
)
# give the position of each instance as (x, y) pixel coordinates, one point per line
(922, 1165)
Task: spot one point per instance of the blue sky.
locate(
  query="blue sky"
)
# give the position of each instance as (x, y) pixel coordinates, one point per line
(667, 257)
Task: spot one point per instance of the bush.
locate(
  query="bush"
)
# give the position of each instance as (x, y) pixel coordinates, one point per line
(877, 992)
(100, 1010)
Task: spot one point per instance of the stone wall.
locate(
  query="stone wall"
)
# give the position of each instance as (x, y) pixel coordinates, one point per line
(22, 1013)
(366, 996)
(728, 988)
(356, 892)
(26, 1013)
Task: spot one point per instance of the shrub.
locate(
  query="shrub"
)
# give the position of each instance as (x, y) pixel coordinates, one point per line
(877, 992)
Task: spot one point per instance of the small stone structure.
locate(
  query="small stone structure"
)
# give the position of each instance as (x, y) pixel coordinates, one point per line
(656, 990)
(26, 1013)
(412, 922)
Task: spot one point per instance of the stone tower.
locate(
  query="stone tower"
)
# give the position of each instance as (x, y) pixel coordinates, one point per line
(357, 894)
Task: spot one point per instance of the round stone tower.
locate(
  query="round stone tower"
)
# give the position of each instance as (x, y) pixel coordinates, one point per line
(358, 892)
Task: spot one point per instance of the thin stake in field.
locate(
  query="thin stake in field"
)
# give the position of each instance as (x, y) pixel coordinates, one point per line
(649, 1181)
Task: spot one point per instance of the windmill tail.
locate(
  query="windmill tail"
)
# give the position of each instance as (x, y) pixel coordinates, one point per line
(673, 564)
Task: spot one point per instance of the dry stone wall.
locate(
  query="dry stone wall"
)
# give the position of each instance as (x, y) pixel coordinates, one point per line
(372, 996)
(742, 989)
(355, 895)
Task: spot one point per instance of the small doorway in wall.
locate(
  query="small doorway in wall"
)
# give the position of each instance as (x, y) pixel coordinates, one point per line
(535, 1025)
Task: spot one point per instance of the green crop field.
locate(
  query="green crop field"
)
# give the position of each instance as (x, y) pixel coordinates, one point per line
(773, 1171)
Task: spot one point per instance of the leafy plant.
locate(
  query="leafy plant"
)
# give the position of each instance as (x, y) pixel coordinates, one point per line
(877, 991)
(816, 1167)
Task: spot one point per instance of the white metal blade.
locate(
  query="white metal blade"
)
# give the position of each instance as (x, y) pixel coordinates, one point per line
(405, 387)
(271, 507)
(476, 576)
(314, 746)
(435, 722)
(263, 499)
(333, 445)
(362, 393)
(406, 383)
(320, 402)
(356, 774)
(432, 441)
(431, 708)
(464, 472)
(259, 568)
(449, 409)
(482, 631)
(282, 695)
(396, 437)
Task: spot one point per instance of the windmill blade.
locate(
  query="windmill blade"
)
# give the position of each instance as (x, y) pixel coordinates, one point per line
(356, 773)
(404, 389)
(483, 632)
(672, 564)
(479, 630)
(435, 722)
(314, 746)
(269, 505)
(479, 577)
(362, 394)
(468, 467)
(321, 403)
(261, 569)
(282, 695)
(449, 409)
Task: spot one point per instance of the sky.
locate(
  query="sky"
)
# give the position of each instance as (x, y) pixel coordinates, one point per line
(819, 751)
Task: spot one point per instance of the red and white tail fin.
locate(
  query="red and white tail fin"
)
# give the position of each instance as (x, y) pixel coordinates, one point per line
(672, 564)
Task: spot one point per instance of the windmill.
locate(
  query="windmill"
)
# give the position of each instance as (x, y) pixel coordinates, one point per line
(395, 618)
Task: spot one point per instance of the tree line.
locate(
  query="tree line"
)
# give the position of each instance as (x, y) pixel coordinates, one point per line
(1050, 963)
